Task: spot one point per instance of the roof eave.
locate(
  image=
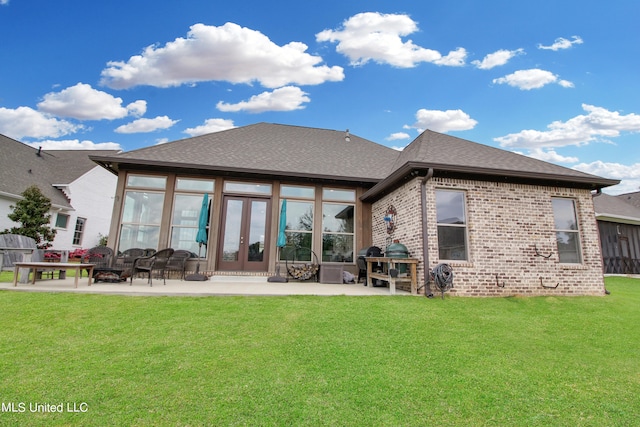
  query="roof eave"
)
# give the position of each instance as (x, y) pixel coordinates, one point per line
(411, 169)
(609, 217)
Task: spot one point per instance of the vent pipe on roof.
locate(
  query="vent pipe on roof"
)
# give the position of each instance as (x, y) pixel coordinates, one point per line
(347, 137)
(39, 151)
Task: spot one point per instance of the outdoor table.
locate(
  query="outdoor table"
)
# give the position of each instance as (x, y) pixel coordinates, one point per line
(389, 264)
(51, 266)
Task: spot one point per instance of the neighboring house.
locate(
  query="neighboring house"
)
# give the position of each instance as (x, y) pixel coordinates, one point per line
(506, 223)
(619, 225)
(81, 192)
(631, 198)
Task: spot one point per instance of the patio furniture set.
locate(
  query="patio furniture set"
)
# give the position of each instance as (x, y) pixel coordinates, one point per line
(131, 262)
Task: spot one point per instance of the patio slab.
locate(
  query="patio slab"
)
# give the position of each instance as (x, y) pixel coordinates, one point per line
(216, 285)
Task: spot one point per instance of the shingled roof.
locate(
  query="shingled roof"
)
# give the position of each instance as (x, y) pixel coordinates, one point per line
(22, 166)
(614, 209)
(269, 150)
(449, 155)
(274, 150)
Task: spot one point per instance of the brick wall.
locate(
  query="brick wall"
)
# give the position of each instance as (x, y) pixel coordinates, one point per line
(506, 223)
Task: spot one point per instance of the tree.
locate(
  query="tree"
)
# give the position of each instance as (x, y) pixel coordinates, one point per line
(32, 213)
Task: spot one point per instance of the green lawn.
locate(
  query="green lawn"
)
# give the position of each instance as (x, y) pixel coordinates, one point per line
(334, 361)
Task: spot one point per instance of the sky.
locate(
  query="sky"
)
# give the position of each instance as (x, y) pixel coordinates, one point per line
(557, 80)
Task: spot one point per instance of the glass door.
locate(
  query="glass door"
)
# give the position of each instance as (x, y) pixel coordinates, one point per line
(245, 229)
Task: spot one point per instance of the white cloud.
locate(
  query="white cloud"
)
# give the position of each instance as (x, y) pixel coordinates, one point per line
(443, 121)
(229, 53)
(82, 102)
(75, 144)
(377, 37)
(562, 43)
(398, 136)
(548, 156)
(3, 2)
(286, 98)
(210, 126)
(598, 123)
(497, 58)
(146, 125)
(629, 175)
(531, 79)
(27, 122)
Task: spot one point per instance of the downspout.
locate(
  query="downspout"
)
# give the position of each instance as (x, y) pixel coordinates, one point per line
(593, 196)
(425, 234)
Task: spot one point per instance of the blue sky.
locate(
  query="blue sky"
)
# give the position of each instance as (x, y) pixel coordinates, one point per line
(556, 80)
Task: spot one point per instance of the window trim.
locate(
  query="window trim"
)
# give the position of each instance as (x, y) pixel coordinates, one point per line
(577, 232)
(464, 226)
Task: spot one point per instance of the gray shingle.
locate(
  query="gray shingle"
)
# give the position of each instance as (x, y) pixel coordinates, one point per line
(22, 166)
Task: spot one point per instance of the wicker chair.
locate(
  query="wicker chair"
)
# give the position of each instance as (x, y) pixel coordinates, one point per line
(157, 262)
(178, 262)
(101, 256)
(127, 258)
(301, 263)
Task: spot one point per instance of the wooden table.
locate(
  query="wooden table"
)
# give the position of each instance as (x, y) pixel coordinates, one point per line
(35, 266)
(389, 264)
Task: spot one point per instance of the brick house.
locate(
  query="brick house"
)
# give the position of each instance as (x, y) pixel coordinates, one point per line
(507, 224)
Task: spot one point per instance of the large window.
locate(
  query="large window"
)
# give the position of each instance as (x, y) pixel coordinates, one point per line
(567, 233)
(299, 229)
(452, 225)
(338, 225)
(142, 212)
(187, 204)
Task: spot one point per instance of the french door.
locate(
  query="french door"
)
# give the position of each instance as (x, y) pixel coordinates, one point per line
(245, 233)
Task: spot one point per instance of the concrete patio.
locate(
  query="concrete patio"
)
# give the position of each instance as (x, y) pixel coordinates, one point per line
(215, 286)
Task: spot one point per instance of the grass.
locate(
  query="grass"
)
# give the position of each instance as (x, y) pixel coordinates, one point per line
(383, 361)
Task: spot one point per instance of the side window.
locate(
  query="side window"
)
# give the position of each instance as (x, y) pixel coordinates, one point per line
(567, 232)
(62, 220)
(452, 225)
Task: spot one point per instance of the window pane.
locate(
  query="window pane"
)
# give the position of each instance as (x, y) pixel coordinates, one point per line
(295, 191)
(452, 243)
(298, 240)
(339, 195)
(146, 181)
(186, 209)
(337, 248)
(185, 238)
(337, 218)
(62, 220)
(243, 187)
(450, 207)
(200, 185)
(568, 247)
(299, 216)
(564, 214)
(142, 207)
(138, 236)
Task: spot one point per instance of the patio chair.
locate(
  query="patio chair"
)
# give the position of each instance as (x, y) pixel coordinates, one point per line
(101, 256)
(157, 262)
(301, 263)
(127, 258)
(178, 262)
